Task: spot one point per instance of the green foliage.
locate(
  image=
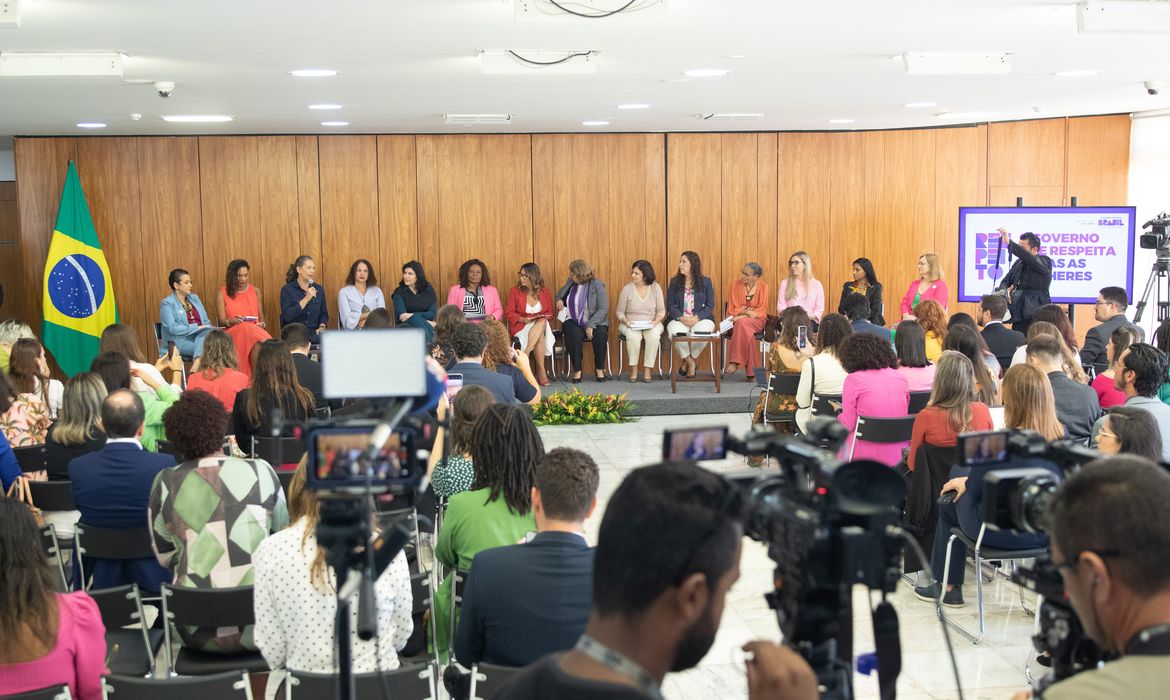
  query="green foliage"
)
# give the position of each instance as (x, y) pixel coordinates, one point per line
(575, 408)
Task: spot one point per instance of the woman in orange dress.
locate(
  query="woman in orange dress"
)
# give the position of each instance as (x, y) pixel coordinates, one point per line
(241, 315)
(747, 307)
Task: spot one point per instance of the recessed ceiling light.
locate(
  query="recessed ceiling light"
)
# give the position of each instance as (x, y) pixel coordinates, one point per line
(736, 56)
(595, 122)
(1085, 73)
(634, 105)
(334, 123)
(325, 106)
(313, 73)
(841, 121)
(706, 73)
(920, 105)
(967, 116)
(197, 118)
(90, 125)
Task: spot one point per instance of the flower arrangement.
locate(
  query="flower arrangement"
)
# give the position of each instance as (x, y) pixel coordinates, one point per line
(575, 408)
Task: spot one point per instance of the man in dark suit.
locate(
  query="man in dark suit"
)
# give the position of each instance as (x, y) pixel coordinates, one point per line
(297, 337)
(468, 343)
(1001, 340)
(111, 488)
(1110, 311)
(857, 310)
(527, 600)
(1028, 280)
(1077, 405)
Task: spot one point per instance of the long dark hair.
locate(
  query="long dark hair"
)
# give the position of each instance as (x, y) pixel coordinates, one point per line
(647, 271)
(24, 368)
(291, 275)
(696, 269)
(910, 344)
(121, 338)
(274, 377)
(1055, 315)
(485, 279)
(421, 285)
(371, 278)
(26, 581)
(230, 284)
(790, 322)
(505, 448)
(834, 329)
(867, 267)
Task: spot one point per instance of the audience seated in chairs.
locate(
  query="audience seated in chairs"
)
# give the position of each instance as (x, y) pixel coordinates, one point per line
(873, 389)
(116, 372)
(527, 600)
(274, 389)
(220, 375)
(24, 415)
(378, 319)
(1140, 373)
(308, 371)
(500, 357)
(910, 346)
(123, 339)
(587, 301)
(1107, 392)
(667, 553)
(447, 319)
(1028, 405)
(28, 369)
(211, 512)
(11, 330)
(9, 467)
(747, 305)
(468, 344)
(296, 598)
(1070, 358)
(1001, 340)
(1076, 403)
(1130, 430)
(822, 374)
(858, 312)
(497, 511)
(967, 341)
(784, 357)
(933, 319)
(78, 431)
(111, 488)
(46, 638)
(455, 473)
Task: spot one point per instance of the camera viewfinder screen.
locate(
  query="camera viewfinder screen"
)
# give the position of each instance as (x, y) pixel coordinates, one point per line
(341, 458)
(694, 445)
(983, 448)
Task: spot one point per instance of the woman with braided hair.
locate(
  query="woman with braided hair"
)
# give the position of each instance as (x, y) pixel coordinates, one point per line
(497, 511)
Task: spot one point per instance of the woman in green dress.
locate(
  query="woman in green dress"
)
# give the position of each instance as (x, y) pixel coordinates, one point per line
(497, 511)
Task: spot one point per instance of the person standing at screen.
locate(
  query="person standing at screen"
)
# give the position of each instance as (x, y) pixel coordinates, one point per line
(1028, 279)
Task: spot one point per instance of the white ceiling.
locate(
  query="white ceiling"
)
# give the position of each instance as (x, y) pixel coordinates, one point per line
(404, 63)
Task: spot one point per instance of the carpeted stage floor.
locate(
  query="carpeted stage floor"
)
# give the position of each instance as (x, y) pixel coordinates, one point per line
(655, 399)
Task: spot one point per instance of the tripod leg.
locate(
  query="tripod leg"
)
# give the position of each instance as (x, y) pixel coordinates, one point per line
(1141, 307)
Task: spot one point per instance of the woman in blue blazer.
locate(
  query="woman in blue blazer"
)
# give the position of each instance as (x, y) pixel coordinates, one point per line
(690, 304)
(184, 320)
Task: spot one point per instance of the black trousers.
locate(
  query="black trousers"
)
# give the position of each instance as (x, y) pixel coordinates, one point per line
(575, 342)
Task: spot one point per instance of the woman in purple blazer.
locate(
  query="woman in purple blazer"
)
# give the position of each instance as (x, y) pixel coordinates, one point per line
(874, 389)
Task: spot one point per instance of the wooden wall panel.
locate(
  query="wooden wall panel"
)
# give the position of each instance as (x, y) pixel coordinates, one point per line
(1041, 196)
(1026, 153)
(1098, 160)
(278, 223)
(847, 219)
(397, 207)
(170, 212)
(739, 203)
(803, 203)
(41, 165)
(308, 197)
(10, 273)
(475, 201)
(349, 213)
(960, 167)
(694, 205)
(229, 177)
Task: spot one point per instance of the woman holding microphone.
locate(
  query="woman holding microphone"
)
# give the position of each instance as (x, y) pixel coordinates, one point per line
(302, 300)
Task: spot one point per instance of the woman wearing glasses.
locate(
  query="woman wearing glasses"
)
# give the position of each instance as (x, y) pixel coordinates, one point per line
(801, 288)
(529, 312)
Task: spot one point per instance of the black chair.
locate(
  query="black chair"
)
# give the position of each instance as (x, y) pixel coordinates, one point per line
(918, 401)
(31, 458)
(783, 383)
(121, 608)
(884, 430)
(208, 607)
(221, 686)
(486, 679)
(826, 405)
(166, 448)
(59, 692)
(278, 451)
(109, 543)
(52, 495)
(52, 549)
(413, 682)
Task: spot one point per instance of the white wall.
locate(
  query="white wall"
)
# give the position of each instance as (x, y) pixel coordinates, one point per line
(1149, 191)
(7, 165)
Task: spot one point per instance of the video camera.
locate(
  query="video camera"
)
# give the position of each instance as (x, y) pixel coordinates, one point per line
(828, 525)
(1157, 238)
(1018, 500)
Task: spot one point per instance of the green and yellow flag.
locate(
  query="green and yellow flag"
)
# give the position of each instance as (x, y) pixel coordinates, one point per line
(79, 294)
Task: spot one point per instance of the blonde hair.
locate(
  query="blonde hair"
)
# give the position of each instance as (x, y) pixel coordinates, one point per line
(1068, 360)
(954, 388)
(303, 503)
(933, 268)
(790, 286)
(81, 406)
(1028, 403)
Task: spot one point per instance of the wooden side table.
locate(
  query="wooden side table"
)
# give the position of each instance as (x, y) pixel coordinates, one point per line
(714, 341)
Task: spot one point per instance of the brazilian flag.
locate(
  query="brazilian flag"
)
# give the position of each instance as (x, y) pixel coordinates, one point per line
(79, 294)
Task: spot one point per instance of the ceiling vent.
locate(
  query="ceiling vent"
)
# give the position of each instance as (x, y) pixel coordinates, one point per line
(956, 63)
(60, 64)
(731, 116)
(476, 119)
(1123, 16)
(10, 13)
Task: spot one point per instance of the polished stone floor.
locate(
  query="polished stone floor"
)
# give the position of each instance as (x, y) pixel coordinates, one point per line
(995, 668)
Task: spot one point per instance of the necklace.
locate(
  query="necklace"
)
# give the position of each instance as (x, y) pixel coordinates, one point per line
(620, 663)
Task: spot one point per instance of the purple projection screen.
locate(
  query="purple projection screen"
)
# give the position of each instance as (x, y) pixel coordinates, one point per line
(1090, 247)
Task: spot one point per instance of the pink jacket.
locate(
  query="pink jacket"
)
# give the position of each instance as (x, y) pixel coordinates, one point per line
(491, 300)
(77, 659)
(810, 298)
(874, 393)
(936, 291)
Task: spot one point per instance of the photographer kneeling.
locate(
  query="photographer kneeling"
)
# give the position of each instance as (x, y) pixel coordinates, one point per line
(1111, 544)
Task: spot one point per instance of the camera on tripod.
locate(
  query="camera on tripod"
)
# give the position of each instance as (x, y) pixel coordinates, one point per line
(1157, 238)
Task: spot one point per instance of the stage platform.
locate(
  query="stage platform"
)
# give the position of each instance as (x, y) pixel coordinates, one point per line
(655, 399)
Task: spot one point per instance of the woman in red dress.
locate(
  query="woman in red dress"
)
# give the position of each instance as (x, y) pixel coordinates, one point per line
(241, 314)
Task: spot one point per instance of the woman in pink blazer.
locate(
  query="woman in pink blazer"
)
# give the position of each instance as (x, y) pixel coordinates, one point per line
(475, 295)
(874, 389)
(929, 285)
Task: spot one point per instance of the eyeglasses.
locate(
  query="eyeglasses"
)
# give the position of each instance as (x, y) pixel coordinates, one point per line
(1072, 562)
(730, 506)
(1106, 433)
(795, 262)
